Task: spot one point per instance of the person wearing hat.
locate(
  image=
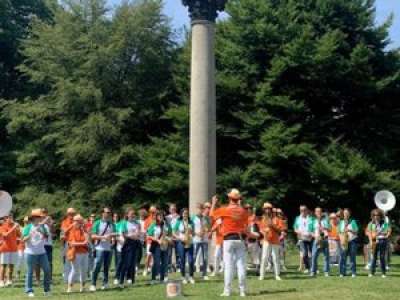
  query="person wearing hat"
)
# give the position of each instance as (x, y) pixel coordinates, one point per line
(9, 233)
(147, 223)
(270, 227)
(202, 228)
(35, 235)
(334, 238)
(234, 226)
(79, 240)
(66, 226)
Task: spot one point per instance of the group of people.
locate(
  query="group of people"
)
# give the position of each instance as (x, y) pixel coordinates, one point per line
(178, 241)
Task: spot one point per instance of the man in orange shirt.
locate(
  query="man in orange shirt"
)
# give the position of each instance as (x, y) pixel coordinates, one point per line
(234, 227)
(149, 220)
(270, 227)
(9, 232)
(66, 226)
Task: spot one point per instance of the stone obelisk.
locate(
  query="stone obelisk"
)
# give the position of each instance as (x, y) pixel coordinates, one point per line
(202, 177)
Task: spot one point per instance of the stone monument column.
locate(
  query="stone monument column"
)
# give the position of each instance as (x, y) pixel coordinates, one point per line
(202, 177)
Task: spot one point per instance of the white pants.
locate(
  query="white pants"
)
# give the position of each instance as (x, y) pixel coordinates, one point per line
(218, 258)
(79, 268)
(254, 252)
(267, 251)
(234, 256)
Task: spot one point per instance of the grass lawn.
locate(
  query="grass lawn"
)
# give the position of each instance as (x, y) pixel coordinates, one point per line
(293, 286)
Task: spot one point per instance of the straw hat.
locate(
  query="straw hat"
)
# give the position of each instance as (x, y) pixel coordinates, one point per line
(153, 209)
(267, 205)
(71, 211)
(234, 194)
(37, 213)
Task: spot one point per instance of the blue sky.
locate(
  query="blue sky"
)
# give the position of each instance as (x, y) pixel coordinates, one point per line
(178, 14)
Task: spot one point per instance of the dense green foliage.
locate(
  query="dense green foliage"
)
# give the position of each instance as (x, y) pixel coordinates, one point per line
(307, 106)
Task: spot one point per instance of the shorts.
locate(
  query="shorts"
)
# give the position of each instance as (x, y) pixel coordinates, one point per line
(8, 258)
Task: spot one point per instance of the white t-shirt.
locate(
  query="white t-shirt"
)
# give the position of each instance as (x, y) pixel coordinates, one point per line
(104, 245)
(35, 244)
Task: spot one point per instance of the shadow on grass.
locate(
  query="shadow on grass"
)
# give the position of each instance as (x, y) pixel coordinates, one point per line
(269, 292)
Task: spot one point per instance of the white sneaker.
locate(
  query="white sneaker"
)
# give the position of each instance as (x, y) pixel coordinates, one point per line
(191, 280)
(212, 274)
(366, 267)
(353, 275)
(206, 278)
(166, 280)
(104, 287)
(31, 295)
(145, 273)
(92, 288)
(370, 275)
(225, 294)
(326, 274)
(116, 282)
(383, 276)
(9, 283)
(82, 290)
(305, 271)
(341, 276)
(2, 284)
(242, 294)
(278, 278)
(184, 281)
(129, 281)
(69, 290)
(261, 278)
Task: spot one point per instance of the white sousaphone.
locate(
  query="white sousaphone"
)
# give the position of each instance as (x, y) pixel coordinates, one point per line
(5, 204)
(385, 200)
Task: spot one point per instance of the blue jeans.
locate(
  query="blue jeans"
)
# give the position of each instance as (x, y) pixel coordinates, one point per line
(160, 262)
(306, 248)
(315, 253)
(173, 248)
(203, 246)
(32, 261)
(49, 253)
(127, 263)
(381, 246)
(350, 252)
(102, 258)
(183, 252)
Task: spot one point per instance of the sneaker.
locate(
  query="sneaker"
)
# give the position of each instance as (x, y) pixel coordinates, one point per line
(326, 274)
(212, 274)
(242, 294)
(116, 282)
(370, 275)
(191, 280)
(153, 282)
(341, 275)
(261, 278)
(69, 290)
(104, 287)
(92, 288)
(165, 280)
(383, 276)
(278, 278)
(206, 278)
(305, 271)
(184, 281)
(366, 267)
(387, 268)
(129, 281)
(9, 283)
(31, 295)
(312, 274)
(82, 290)
(225, 294)
(353, 275)
(144, 273)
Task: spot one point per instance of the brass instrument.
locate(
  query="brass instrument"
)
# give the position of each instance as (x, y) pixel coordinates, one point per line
(187, 240)
(344, 237)
(164, 242)
(319, 236)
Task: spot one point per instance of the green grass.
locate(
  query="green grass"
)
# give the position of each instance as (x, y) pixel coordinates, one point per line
(294, 286)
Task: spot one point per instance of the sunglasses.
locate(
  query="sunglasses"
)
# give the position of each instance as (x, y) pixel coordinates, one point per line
(107, 212)
(376, 215)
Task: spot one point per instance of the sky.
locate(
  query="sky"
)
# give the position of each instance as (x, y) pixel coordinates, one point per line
(179, 16)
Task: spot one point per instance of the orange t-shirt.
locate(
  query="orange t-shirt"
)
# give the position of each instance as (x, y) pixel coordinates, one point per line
(65, 227)
(77, 235)
(234, 219)
(333, 233)
(273, 234)
(10, 242)
(147, 222)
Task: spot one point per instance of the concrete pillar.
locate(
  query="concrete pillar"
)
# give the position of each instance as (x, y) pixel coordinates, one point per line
(202, 177)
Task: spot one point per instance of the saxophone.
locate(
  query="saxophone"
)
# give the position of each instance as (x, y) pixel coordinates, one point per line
(187, 240)
(344, 237)
(374, 234)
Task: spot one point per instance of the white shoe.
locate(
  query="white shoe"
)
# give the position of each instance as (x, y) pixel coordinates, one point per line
(9, 283)
(184, 281)
(116, 282)
(212, 274)
(2, 284)
(153, 282)
(341, 276)
(278, 278)
(225, 294)
(82, 290)
(191, 280)
(261, 278)
(370, 275)
(353, 276)
(31, 295)
(92, 288)
(366, 267)
(305, 271)
(145, 273)
(242, 294)
(383, 276)
(387, 268)
(69, 290)
(104, 287)
(166, 280)
(206, 278)
(326, 274)
(129, 281)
